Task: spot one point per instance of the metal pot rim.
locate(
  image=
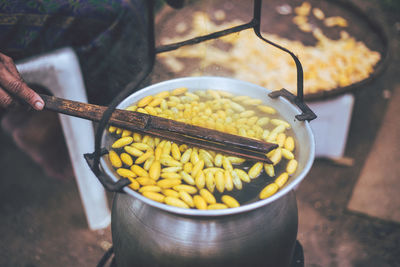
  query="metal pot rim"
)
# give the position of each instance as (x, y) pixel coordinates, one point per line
(204, 82)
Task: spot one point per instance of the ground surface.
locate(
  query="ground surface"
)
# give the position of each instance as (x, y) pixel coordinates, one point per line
(42, 221)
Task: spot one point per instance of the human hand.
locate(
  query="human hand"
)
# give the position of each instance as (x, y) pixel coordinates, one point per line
(13, 88)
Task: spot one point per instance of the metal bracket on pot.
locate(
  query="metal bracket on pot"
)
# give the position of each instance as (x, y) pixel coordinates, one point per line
(307, 113)
(109, 185)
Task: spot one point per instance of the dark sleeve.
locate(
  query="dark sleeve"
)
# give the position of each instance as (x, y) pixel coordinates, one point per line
(107, 35)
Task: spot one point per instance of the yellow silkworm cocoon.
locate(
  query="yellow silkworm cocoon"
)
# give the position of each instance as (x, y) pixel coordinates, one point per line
(179, 91)
(151, 110)
(152, 188)
(131, 108)
(187, 178)
(176, 153)
(169, 161)
(155, 102)
(269, 190)
(145, 139)
(126, 173)
(147, 164)
(199, 202)
(213, 94)
(112, 129)
(170, 193)
(237, 107)
(186, 156)
(114, 159)
(289, 143)
(276, 156)
(188, 188)
(145, 181)
(158, 152)
(280, 139)
(200, 180)
(219, 181)
(154, 196)
(173, 201)
(170, 175)
(282, 179)
(163, 94)
(118, 131)
(134, 184)
(145, 101)
(230, 201)
(236, 160)
(186, 198)
(171, 169)
(218, 160)
(137, 137)
(139, 171)
(242, 175)
(287, 154)
(123, 141)
(236, 180)
(217, 206)
(183, 147)
(133, 151)
(255, 170)
(252, 102)
(194, 156)
(168, 183)
(241, 98)
(126, 133)
(197, 167)
(280, 122)
(252, 121)
(142, 110)
(228, 180)
(247, 113)
(269, 169)
(126, 159)
(210, 182)
(140, 146)
(207, 196)
(242, 132)
(208, 161)
(187, 167)
(291, 166)
(265, 135)
(144, 157)
(166, 148)
(267, 109)
(262, 121)
(226, 164)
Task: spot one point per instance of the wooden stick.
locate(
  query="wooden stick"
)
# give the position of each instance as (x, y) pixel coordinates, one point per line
(239, 146)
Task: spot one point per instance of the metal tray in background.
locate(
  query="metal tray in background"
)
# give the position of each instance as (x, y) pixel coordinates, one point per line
(361, 26)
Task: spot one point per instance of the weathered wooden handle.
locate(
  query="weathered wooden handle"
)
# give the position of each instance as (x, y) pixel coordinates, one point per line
(165, 128)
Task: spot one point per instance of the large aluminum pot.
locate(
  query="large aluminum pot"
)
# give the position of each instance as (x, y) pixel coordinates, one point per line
(262, 233)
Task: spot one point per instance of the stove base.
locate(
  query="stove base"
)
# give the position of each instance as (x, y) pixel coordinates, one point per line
(298, 257)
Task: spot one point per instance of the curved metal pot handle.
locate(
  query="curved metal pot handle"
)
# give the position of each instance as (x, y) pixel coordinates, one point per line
(307, 113)
(103, 178)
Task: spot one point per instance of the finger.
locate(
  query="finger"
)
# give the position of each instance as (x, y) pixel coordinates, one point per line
(10, 65)
(5, 99)
(16, 87)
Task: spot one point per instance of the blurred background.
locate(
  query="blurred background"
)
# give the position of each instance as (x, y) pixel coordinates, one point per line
(349, 209)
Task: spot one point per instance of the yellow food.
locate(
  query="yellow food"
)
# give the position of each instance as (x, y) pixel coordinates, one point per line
(230, 201)
(328, 64)
(173, 173)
